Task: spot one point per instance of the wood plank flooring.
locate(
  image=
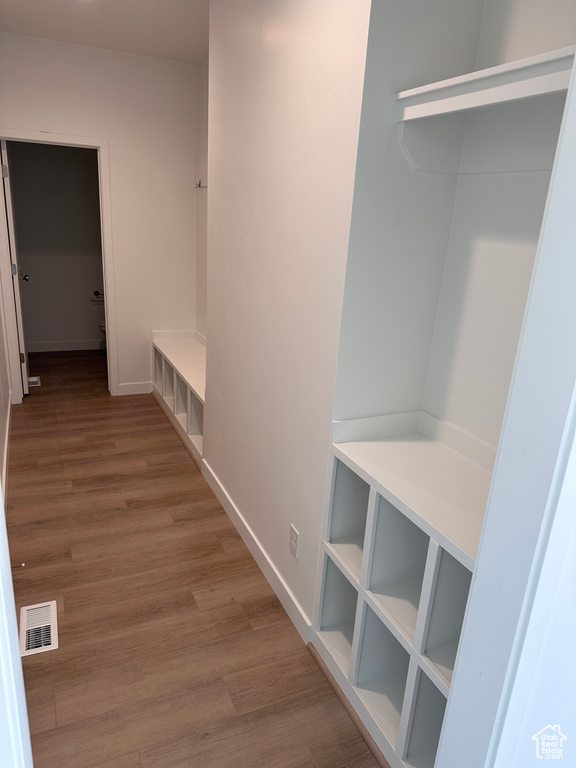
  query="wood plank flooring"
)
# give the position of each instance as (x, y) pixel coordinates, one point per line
(174, 651)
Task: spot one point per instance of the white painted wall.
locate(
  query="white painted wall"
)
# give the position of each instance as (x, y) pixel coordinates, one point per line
(401, 218)
(145, 108)
(285, 91)
(514, 29)
(545, 680)
(202, 198)
(55, 199)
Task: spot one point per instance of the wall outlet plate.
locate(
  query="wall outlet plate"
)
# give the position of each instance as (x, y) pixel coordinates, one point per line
(293, 543)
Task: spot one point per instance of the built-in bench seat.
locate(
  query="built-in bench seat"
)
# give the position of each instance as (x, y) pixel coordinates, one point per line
(179, 384)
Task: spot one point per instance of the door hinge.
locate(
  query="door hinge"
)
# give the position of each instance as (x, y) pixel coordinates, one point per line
(14, 269)
(22, 358)
(4, 171)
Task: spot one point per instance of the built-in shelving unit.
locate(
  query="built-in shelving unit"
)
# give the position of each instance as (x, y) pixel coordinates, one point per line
(179, 385)
(401, 606)
(409, 487)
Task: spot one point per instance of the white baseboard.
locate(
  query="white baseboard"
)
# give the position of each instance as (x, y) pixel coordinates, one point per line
(282, 590)
(6, 418)
(200, 338)
(133, 388)
(63, 346)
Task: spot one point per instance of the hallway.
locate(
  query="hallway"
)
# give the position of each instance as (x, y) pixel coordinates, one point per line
(173, 650)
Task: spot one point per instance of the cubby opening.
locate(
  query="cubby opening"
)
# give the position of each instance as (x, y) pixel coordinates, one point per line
(158, 371)
(338, 614)
(428, 711)
(181, 402)
(196, 410)
(169, 384)
(382, 671)
(195, 425)
(348, 515)
(447, 614)
(398, 562)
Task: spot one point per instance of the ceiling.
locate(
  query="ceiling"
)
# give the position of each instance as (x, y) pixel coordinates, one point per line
(167, 29)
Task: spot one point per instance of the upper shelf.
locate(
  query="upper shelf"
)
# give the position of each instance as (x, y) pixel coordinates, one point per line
(534, 76)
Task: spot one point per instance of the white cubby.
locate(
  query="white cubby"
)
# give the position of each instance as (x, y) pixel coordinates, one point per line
(448, 605)
(179, 383)
(157, 373)
(168, 391)
(181, 402)
(195, 424)
(338, 613)
(349, 509)
(397, 562)
(382, 668)
(425, 717)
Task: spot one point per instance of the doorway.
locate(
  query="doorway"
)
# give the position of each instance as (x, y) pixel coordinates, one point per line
(57, 223)
(101, 270)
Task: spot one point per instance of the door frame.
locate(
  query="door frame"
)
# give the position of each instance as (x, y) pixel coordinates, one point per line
(15, 265)
(84, 142)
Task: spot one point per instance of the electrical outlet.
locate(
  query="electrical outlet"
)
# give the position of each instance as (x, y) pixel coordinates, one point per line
(294, 542)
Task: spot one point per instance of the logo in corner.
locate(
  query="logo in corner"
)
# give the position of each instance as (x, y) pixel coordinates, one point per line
(549, 743)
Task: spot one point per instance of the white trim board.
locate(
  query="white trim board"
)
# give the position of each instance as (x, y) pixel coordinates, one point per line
(133, 388)
(7, 420)
(275, 579)
(63, 346)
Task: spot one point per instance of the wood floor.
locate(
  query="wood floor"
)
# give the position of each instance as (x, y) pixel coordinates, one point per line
(174, 651)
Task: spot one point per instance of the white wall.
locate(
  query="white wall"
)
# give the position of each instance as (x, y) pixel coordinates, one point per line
(544, 684)
(145, 108)
(514, 29)
(55, 200)
(202, 198)
(285, 92)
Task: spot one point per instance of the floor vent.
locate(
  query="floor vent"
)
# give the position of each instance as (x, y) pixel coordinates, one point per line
(34, 381)
(38, 628)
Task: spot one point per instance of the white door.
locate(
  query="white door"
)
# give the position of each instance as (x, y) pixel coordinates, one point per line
(17, 277)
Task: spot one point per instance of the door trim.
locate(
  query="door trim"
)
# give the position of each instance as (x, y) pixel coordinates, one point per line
(102, 147)
(15, 266)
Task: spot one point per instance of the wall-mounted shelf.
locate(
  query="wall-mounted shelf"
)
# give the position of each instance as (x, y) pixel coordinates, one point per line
(533, 76)
(179, 367)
